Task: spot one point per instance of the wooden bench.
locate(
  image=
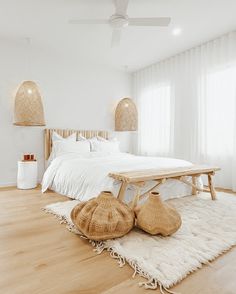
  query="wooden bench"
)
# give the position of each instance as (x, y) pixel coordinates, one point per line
(140, 177)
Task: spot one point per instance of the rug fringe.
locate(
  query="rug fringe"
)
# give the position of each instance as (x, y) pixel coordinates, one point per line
(151, 283)
(63, 220)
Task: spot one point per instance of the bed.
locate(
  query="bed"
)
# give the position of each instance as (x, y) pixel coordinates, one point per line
(84, 176)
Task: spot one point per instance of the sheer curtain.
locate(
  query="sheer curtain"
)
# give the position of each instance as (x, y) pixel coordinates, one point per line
(187, 107)
(155, 106)
(155, 100)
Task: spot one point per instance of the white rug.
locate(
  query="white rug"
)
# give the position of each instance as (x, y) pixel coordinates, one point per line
(208, 230)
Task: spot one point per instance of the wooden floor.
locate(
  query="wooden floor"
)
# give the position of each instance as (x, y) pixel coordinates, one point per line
(38, 255)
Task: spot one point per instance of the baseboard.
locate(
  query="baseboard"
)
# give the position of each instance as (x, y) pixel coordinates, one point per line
(225, 190)
(7, 185)
(13, 184)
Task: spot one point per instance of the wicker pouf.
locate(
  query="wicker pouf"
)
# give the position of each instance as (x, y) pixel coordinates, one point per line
(103, 217)
(156, 217)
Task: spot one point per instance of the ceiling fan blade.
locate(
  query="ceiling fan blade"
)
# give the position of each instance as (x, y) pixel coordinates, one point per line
(121, 6)
(89, 21)
(151, 21)
(116, 36)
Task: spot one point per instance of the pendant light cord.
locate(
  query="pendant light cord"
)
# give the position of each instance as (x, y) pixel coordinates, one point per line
(28, 57)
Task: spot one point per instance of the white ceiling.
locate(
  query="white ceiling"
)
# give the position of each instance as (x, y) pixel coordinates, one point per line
(45, 22)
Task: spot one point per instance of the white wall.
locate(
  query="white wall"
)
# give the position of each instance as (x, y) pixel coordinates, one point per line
(76, 94)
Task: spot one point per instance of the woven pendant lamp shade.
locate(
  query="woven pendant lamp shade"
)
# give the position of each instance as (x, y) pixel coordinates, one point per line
(28, 105)
(126, 117)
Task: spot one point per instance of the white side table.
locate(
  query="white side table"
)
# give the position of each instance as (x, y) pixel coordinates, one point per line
(27, 174)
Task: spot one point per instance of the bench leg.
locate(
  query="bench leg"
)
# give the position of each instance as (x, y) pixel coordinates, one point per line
(121, 193)
(160, 182)
(211, 187)
(136, 198)
(194, 190)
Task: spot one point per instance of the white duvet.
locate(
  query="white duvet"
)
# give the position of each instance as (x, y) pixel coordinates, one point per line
(83, 177)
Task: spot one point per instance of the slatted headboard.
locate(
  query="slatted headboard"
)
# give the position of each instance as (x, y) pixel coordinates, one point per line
(66, 133)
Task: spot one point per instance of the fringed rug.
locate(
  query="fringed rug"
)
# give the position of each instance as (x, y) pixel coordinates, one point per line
(208, 230)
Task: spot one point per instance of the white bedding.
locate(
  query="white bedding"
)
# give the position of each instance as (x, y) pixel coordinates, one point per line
(83, 177)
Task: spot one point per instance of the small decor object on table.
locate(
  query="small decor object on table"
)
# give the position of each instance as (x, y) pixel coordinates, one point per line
(103, 217)
(156, 217)
(27, 175)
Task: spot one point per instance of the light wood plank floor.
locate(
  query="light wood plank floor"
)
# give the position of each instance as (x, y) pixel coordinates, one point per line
(38, 255)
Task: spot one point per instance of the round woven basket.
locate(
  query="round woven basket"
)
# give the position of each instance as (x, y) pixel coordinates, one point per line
(103, 217)
(156, 217)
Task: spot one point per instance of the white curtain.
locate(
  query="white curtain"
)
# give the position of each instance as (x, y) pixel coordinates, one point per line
(187, 107)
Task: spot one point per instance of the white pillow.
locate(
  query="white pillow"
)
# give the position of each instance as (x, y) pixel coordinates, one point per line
(92, 141)
(55, 138)
(65, 147)
(101, 139)
(81, 138)
(105, 146)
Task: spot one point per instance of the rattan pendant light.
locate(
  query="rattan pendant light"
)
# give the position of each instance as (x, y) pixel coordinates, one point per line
(126, 116)
(28, 105)
(28, 102)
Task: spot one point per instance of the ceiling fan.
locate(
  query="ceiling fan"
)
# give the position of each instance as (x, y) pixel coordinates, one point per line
(120, 19)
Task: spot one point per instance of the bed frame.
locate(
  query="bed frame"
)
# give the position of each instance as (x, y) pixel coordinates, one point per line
(66, 133)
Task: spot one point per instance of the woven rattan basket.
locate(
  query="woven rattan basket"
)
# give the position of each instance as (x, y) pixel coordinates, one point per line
(156, 217)
(103, 217)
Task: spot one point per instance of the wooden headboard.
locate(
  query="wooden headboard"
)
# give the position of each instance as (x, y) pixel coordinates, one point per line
(66, 133)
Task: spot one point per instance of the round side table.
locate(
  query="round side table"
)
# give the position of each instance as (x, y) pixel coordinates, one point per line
(27, 175)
